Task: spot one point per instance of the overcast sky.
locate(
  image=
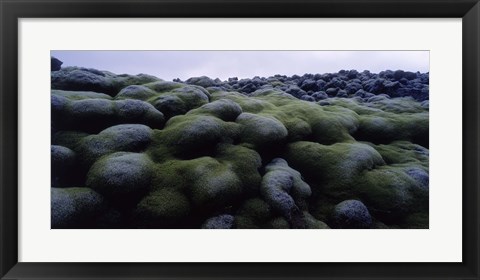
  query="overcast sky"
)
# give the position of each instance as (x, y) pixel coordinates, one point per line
(168, 65)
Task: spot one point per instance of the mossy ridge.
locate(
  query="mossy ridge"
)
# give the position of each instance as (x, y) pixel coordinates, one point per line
(212, 183)
(224, 109)
(388, 120)
(174, 99)
(85, 79)
(284, 190)
(80, 95)
(387, 128)
(93, 115)
(261, 131)
(336, 166)
(163, 208)
(353, 171)
(303, 120)
(190, 136)
(119, 138)
(404, 152)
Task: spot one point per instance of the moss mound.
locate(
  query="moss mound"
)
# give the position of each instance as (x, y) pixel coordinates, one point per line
(75, 207)
(121, 177)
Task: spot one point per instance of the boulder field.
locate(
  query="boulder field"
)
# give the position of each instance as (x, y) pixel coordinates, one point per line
(318, 151)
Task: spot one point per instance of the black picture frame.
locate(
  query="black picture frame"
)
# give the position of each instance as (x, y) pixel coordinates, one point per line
(12, 10)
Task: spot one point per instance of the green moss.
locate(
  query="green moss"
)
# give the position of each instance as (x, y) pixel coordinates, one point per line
(260, 130)
(216, 186)
(403, 152)
(386, 120)
(164, 207)
(302, 119)
(256, 210)
(386, 128)
(84, 79)
(224, 109)
(388, 193)
(312, 223)
(163, 86)
(125, 137)
(203, 157)
(179, 100)
(208, 183)
(244, 162)
(192, 136)
(69, 139)
(138, 92)
(336, 167)
(279, 177)
(249, 105)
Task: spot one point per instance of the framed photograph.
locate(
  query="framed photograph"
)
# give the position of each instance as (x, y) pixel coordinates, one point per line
(222, 139)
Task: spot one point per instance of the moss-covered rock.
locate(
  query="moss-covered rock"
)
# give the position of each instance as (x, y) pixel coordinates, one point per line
(75, 207)
(202, 81)
(196, 135)
(63, 166)
(389, 193)
(215, 185)
(136, 111)
(164, 86)
(219, 222)
(351, 214)
(261, 131)
(138, 92)
(84, 79)
(179, 100)
(403, 152)
(224, 109)
(121, 177)
(94, 115)
(124, 137)
(336, 167)
(283, 188)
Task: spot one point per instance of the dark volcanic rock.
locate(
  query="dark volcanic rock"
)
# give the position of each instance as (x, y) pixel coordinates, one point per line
(55, 64)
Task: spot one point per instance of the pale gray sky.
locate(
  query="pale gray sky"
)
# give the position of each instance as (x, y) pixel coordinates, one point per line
(168, 65)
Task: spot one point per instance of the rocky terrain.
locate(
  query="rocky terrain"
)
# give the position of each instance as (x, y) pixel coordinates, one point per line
(317, 151)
